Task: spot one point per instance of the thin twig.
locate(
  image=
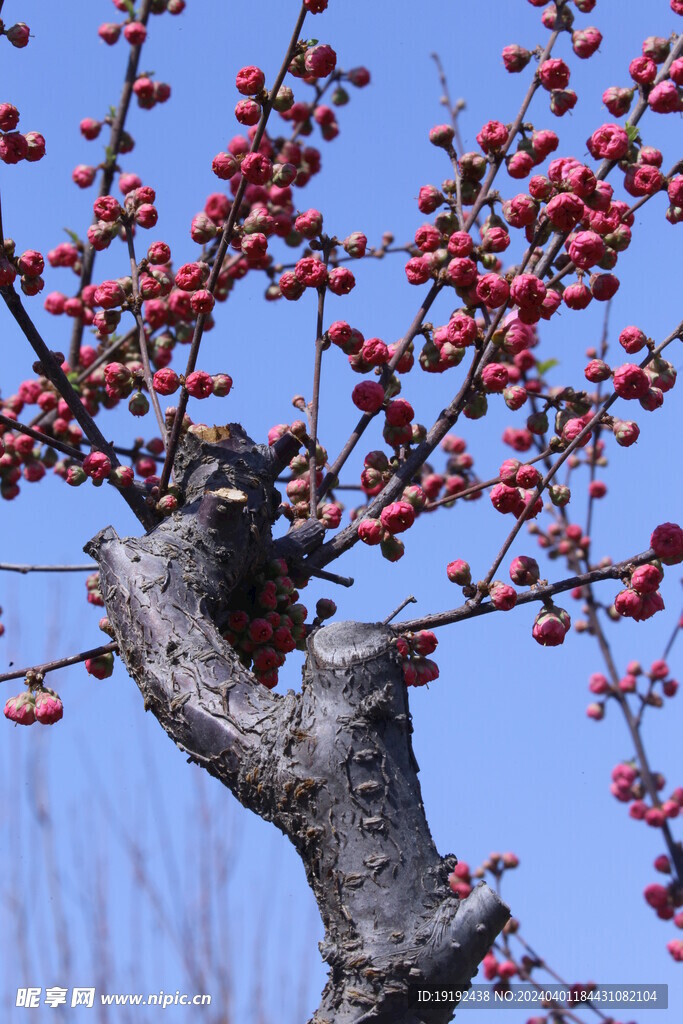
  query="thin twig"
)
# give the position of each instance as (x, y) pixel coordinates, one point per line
(108, 171)
(55, 374)
(571, 447)
(226, 236)
(475, 488)
(330, 479)
(409, 600)
(13, 567)
(315, 400)
(51, 666)
(61, 446)
(142, 339)
(472, 610)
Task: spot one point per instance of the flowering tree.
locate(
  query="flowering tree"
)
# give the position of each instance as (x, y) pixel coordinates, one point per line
(202, 607)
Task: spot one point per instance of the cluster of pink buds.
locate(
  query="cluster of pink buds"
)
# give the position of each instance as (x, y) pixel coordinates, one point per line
(646, 685)
(414, 648)
(267, 622)
(665, 900)
(397, 517)
(311, 272)
(35, 704)
(28, 266)
(15, 146)
(134, 32)
(516, 490)
(627, 786)
(641, 599)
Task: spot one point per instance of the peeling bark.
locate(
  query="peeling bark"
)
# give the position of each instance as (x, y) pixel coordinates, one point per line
(332, 766)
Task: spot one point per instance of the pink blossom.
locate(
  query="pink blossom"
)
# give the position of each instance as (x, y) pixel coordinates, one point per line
(398, 517)
(368, 396)
(667, 543)
(610, 142)
(199, 384)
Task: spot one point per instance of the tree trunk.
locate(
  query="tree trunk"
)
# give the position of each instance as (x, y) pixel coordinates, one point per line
(331, 766)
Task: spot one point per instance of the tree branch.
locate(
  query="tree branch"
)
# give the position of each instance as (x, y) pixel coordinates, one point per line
(535, 593)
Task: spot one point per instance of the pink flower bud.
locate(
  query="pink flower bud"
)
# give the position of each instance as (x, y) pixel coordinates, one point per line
(495, 377)
(370, 531)
(459, 572)
(550, 626)
(13, 148)
(135, 33)
(18, 35)
(399, 412)
(97, 466)
(340, 281)
(248, 112)
(618, 101)
(107, 209)
(21, 709)
(442, 135)
(596, 711)
(553, 74)
(257, 169)
(524, 571)
(359, 77)
(515, 58)
(429, 199)
(101, 667)
(166, 382)
(646, 579)
(586, 249)
(199, 384)
(122, 476)
(320, 60)
(493, 290)
(626, 432)
(368, 396)
(311, 272)
(562, 100)
(565, 210)
(48, 707)
(222, 384)
(503, 597)
(520, 211)
(250, 80)
(31, 263)
(597, 370)
(224, 166)
(202, 301)
(586, 41)
(492, 136)
(667, 543)
(355, 244)
(664, 98)
(109, 295)
(397, 517)
(609, 142)
(527, 290)
(425, 642)
(630, 381)
(109, 32)
(9, 117)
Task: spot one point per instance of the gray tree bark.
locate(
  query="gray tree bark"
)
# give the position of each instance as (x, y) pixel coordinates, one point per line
(332, 766)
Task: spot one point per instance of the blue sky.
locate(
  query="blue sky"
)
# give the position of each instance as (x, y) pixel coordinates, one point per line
(508, 758)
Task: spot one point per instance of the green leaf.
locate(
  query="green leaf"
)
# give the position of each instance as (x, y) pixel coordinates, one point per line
(130, 7)
(632, 131)
(549, 364)
(73, 236)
